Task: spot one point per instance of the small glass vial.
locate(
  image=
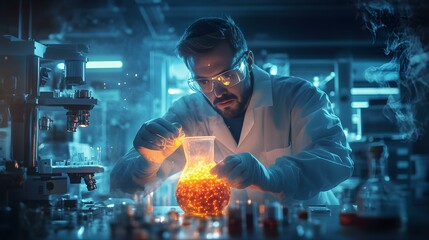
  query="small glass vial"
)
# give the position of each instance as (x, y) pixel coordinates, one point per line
(301, 212)
(272, 219)
(251, 215)
(347, 209)
(236, 219)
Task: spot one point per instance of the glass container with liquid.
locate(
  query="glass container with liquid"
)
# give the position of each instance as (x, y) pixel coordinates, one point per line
(379, 203)
(199, 192)
(347, 208)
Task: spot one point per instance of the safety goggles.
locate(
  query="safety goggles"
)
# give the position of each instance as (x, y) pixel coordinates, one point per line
(226, 79)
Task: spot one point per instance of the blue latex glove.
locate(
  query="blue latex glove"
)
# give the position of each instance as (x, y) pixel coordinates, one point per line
(157, 139)
(243, 170)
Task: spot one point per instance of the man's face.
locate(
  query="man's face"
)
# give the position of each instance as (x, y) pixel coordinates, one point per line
(228, 102)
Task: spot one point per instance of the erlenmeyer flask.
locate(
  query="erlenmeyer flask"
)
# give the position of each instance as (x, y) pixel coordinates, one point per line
(380, 204)
(199, 192)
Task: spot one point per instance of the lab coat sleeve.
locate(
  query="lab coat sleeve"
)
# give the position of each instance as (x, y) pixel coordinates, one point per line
(132, 173)
(320, 158)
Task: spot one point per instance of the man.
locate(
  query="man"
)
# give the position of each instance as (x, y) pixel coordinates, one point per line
(276, 137)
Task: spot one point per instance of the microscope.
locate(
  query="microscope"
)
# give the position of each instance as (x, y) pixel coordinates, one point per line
(25, 176)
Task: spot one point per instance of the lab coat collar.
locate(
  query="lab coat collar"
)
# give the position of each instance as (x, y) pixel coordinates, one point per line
(261, 96)
(262, 89)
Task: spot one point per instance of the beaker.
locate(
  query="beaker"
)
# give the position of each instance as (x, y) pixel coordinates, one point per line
(199, 192)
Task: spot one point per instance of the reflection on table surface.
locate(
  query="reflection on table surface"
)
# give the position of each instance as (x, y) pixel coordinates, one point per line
(121, 219)
(322, 222)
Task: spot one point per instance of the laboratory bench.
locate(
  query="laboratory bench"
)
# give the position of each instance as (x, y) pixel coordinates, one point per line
(123, 219)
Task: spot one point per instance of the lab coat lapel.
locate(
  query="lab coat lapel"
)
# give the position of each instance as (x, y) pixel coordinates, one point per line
(216, 126)
(221, 132)
(249, 120)
(261, 96)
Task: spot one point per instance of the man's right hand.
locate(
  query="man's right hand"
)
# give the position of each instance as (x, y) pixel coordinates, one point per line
(157, 139)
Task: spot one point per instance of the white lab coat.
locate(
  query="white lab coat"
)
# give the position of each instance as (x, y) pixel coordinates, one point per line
(289, 125)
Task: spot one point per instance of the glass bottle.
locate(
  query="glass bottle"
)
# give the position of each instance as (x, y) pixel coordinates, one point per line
(199, 192)
(380, 206)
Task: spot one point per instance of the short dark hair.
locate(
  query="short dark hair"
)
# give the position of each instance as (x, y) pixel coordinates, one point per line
(206, 33)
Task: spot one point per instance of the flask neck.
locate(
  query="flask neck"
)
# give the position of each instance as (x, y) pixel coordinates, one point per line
(377, 168)
(377, 156)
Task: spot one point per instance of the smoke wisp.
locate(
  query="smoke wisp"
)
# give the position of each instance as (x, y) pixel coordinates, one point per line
(405, 26)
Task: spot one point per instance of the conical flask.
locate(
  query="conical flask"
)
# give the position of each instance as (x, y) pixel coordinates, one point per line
(199, 192)
(380, 204)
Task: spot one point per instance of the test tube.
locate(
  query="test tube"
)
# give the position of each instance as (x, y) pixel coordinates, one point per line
(95, 155)
(81, 158)
(285, 210)
(236, 216)
(251, 215)
(272, 219)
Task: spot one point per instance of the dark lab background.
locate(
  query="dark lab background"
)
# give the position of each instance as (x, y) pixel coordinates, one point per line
(370, 57)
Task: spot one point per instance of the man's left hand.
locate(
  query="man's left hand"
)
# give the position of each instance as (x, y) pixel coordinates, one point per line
(242, 170)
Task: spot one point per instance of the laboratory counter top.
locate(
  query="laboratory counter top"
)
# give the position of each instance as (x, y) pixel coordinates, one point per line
(130, 221)
(317, 225)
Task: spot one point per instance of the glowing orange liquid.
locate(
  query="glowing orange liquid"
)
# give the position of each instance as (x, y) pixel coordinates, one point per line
(203, 197)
